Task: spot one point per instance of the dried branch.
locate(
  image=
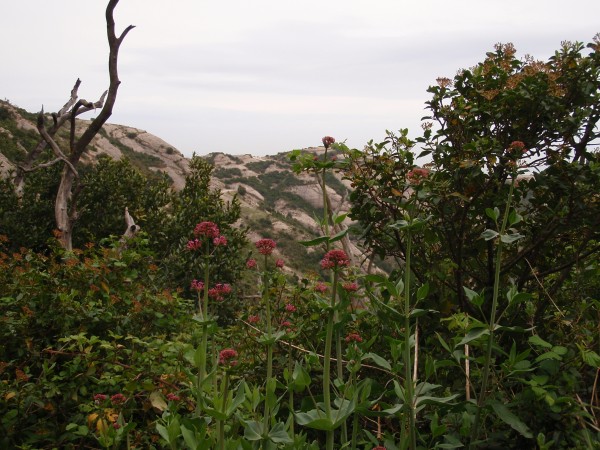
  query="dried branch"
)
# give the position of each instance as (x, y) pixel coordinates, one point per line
(52, 143)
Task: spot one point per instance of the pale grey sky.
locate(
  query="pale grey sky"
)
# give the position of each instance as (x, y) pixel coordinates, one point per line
(266, 76)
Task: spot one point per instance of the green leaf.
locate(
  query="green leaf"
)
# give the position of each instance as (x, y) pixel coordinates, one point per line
(472, 335)
(473, 297)
(338, 236)
(374, 278)
(510, 419)
(422, 292)
(493, 213)
(381, 362)
(317, 419)
(538, 341)
(489, 234)
(238, 400)
(590, 357)
(339, 219)
(253, 430)
(510, 238)
(314, 242)
(278, 434)
(300, 378)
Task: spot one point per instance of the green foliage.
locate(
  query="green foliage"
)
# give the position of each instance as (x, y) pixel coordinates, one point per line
(29, 222)
(110, 187)
(75, 325)
(198, 202)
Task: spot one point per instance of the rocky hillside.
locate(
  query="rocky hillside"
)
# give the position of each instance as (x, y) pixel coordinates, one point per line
(275, 202)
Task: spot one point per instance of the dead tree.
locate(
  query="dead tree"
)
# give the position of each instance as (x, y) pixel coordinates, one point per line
(65, 207)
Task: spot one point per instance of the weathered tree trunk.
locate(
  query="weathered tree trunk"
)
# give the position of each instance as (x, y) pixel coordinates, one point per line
(65, 208)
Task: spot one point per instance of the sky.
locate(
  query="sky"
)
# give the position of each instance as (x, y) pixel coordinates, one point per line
(265, 76)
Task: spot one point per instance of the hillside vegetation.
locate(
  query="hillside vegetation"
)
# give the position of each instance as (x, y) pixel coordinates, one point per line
(217, 302)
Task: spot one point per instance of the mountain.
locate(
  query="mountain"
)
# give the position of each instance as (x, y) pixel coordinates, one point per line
(275, 202)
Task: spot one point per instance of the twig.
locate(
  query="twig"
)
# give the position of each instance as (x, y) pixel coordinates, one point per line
(543, 288)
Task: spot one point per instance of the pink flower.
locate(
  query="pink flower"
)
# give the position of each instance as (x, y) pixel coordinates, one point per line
(279, 263)
(417, 175)
(208, 229)
(353, 337)
(118, 399)
(379, 447)
(334, 259)
(226, 357)
(173, 397)
(321, 287)
(265, 246)
(197, 285)
(251, 263)
(290, 308)
(287, 325)
(517, 149)
(350, 286)
(99, 398)
(220, 241)
(253, 319)
(194, 245)
(327, 141)
(116, 426)
(219, 291)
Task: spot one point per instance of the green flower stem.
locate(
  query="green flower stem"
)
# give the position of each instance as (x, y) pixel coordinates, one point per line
(325, 208)
(291, 394)
(354, 417)
(327, 359)
(203, 309)
(220, 423)
(490, 342)
(267, 412)
(408, 381)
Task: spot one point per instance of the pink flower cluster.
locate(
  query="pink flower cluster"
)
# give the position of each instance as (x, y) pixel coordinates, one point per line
(353, 337)
(173, 397)
(334, 259)
(197, 285)
(118, 399)
(417, 175)
(251, 263)
(227, 357)
(290, 308)
(194, 244)
(208, 229)
(350, 286)
(327, 141)
(219, 291)
(220, 241)
(279, 263)
(265, 246)
(320, 287)
(253, 319)
(99, 398)
(517, 149)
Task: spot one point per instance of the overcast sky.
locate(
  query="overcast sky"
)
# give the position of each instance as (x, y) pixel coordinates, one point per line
(265, 76)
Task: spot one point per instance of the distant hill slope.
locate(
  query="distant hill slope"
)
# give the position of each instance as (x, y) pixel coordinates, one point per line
(276, 203)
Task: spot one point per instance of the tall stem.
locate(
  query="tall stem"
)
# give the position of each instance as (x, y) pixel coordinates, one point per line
(220, 422)
(327, 358)
(203, 308)
(492, 323)
(408, 381)
(268, 385)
